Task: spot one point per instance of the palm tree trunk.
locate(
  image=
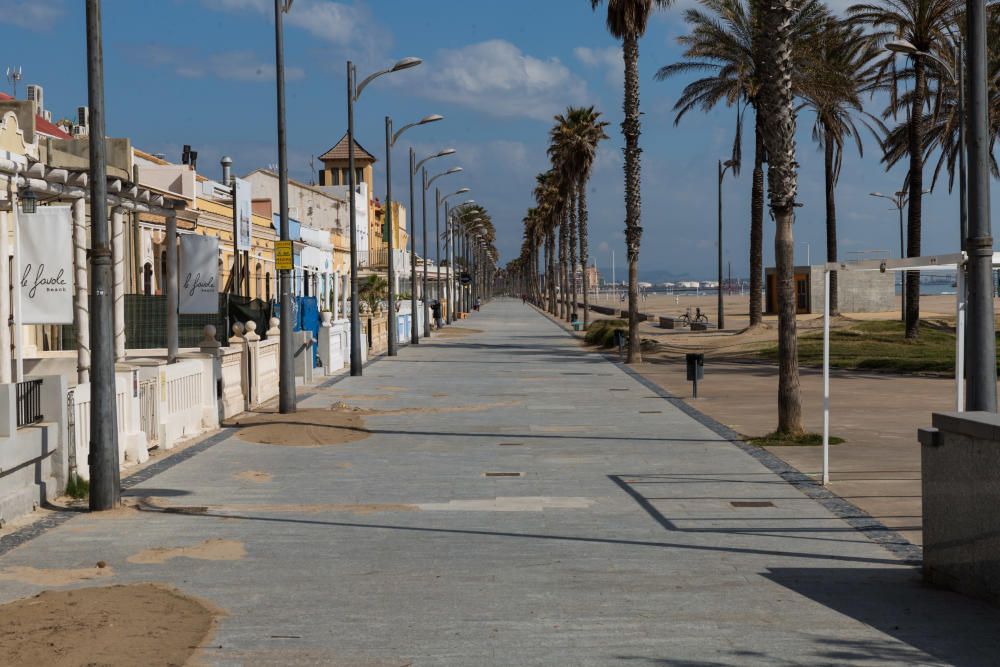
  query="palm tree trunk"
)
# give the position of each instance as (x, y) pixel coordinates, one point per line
(581, 203)
(831, 216)
(914, 209)
(563, 236)
(757, 225)
(789, 403)
(633, 203)
(779, 138)
(572, 251)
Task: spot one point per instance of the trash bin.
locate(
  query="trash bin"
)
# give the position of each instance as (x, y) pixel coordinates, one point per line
(695, 367)
(577, 325)
(620, 340)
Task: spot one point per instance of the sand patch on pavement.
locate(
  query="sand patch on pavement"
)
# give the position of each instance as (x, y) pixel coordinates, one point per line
(53, 576)
(455, 332)
(158, 505)
(207, 550)
(337, 425)
(116, 626)
(254, 476)
(474, 407)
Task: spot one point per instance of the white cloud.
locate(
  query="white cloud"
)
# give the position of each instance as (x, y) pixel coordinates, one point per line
(609, 59)
(497, 78)
(334, 22)
(31, 14)
(228, 65)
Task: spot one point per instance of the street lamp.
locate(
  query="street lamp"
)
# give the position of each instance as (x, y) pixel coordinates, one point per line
(723, 168)
(286, 357)
(29, 200)
(899, 201)
(427, 185)
(353, 93)
(437, 242)
(414, 168)
(390, 141)
(451, 224)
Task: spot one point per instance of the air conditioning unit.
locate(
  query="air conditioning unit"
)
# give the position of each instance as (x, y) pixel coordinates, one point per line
(37, 95)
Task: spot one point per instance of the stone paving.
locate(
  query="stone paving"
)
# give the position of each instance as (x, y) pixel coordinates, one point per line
(619, 531)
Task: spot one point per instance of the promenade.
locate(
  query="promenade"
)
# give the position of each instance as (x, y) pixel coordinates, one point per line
(506, 498)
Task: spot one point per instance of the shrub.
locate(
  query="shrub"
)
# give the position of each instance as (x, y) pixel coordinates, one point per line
(602, 332)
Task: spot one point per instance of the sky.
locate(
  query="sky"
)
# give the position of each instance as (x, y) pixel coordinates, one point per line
(201, 72)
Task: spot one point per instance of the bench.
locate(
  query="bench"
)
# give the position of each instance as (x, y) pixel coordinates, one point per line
(701, 326)
(667, 323)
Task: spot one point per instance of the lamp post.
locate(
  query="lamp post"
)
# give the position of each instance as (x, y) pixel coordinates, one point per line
(414, 168)
(286, 370)
(390, 141)
(451, 230)
(427, 185)
(981, 382)
(899, 201)
(723, 168)
(437, 241)
(105, 483)
(353, 93)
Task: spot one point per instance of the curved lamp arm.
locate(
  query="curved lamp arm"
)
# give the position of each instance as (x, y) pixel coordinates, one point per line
(433, 118)
(447, 151)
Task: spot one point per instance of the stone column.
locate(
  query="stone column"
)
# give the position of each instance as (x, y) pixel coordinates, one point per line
(345, 290)
(5, 369)
(82, 291)
(118, 264)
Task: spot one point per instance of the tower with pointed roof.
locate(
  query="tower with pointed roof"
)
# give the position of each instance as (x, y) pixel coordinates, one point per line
(335, 165)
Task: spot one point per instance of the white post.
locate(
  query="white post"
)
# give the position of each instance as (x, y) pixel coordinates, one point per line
(118, 266)
(960, 340)
(18, 325)
(82, 290)
(343, 295)
(826, 376)
(336, 296)
(5, 369)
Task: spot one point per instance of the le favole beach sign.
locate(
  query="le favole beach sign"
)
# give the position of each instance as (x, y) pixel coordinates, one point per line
(46, 265)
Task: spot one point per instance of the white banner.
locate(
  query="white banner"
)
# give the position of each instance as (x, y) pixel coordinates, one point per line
(199, 275)
(244, 213)
(46, 263)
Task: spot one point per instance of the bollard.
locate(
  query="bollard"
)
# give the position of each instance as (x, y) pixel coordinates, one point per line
(620, 342)
(695, 370)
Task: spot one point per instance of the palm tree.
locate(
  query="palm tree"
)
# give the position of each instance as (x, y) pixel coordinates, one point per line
(725, 42)
(574, 139)
(775, 107)
(626, 20)
(840, 69)
(925, 24)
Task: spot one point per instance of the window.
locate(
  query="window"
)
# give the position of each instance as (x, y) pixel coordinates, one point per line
(322, 176)
(147, 279)
(256, 274)
(267, 287)
(359, 175)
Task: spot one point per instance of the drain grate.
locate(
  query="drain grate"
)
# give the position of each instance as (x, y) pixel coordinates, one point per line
(615, 389)
(574, 373)
(503, 474)
(650, 412)
(511, 444)
(751, 503)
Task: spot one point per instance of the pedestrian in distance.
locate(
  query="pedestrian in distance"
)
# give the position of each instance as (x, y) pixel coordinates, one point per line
(436, 312)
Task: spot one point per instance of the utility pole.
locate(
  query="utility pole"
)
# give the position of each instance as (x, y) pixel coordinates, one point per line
(981, 383)
(105, 483)
(414, 320)
(355, 306)
(427, 312)
(392, 331)
(286, 371)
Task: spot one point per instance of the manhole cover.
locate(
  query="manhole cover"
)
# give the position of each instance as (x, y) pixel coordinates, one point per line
(503, 474)
(751, 503)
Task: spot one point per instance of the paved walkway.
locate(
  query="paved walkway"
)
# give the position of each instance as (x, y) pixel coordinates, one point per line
(635, 535)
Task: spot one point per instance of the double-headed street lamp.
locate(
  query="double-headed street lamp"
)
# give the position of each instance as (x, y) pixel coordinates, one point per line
(427, 185)
(353, 93)
(723, 168)
(390, 141)
(899, 200)
(437, 241)
(450, 224)
(414, 168)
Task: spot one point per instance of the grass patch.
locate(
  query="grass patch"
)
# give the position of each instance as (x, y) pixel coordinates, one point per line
(602, 332)
(77, 487)
(782, 440)
(879, 346)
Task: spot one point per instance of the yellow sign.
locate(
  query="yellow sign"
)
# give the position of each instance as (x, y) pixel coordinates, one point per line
(283, 256)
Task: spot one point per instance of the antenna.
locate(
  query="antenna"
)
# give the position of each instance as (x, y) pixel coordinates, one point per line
(13, 76)
(312, 169)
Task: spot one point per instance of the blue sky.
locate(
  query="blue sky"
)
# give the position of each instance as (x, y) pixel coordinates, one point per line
(200, 72)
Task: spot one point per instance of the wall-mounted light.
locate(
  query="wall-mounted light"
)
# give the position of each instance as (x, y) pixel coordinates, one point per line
(29, 200)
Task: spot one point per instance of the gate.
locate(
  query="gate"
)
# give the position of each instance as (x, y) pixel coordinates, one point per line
(149, 411)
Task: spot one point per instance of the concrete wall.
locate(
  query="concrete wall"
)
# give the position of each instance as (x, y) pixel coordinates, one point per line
(857, 291)
(960, 462)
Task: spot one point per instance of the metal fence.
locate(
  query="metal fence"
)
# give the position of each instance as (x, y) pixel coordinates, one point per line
(29, 402)
(146, 321)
